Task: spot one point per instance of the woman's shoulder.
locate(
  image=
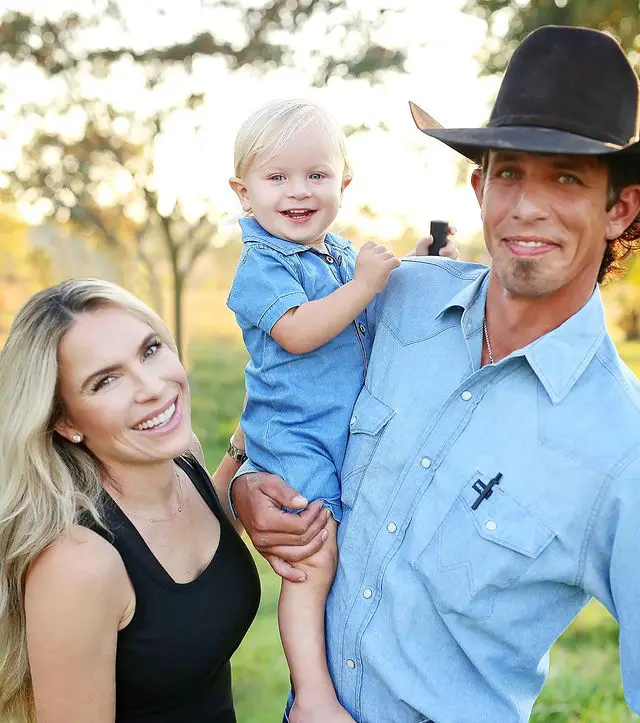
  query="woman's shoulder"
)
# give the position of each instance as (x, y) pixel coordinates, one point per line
(83, 565)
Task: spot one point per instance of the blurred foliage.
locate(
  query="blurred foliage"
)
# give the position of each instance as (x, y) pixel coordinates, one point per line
(23, 269)
(509, 21)
(89, 154)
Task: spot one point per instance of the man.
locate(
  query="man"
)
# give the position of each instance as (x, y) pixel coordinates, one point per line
(491, 483)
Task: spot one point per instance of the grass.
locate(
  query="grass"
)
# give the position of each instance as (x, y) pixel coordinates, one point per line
(584, 684)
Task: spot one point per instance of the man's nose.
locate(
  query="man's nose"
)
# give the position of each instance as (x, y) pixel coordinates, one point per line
(530, 204)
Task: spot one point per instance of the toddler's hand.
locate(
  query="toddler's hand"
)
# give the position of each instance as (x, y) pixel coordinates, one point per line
(374, 264)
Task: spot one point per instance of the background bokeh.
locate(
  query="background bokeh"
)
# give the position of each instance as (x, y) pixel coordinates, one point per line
(117, 122)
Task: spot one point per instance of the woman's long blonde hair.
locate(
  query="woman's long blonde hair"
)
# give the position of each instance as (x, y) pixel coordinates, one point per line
(46, 482)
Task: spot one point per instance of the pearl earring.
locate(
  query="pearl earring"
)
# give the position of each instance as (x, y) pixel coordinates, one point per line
(77, 438)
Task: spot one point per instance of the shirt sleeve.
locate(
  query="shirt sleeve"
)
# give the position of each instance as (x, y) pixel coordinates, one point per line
(264, 288)
(612, 573)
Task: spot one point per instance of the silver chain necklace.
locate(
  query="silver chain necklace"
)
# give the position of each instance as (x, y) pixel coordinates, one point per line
(165, 519)
(486, 338)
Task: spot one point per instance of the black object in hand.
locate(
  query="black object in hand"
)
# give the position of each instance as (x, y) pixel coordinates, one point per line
(439, 231)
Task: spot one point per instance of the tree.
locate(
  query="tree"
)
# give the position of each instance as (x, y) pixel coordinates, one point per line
(510, 21)
(90, 152)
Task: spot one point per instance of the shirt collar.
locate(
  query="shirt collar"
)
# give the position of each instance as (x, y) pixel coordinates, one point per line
(558, 358)
(253, 231)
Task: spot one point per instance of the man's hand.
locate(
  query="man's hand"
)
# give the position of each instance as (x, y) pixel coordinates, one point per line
(374, 264)
(282, 538)
(451, 250)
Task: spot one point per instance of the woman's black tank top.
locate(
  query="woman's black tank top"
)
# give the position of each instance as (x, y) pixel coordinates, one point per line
(172, 659)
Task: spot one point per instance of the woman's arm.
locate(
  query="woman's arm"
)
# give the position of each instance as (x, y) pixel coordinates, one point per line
(222, 477)
(77, 597)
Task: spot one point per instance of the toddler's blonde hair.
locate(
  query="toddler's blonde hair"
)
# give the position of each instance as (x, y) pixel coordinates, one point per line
(268, 130)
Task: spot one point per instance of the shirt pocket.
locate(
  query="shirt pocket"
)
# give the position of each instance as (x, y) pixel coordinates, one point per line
(369, 419)
(476, 554)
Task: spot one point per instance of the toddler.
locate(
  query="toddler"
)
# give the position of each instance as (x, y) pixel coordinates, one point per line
(300, 296)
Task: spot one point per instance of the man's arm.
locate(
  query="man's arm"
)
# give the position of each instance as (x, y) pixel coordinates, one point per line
(282, 538)
(612, 573)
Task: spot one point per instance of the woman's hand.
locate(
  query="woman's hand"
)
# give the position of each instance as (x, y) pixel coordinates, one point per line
(450, 251)
(330, 713)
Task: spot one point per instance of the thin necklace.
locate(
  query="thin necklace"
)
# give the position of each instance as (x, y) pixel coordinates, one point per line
(486, 338)
(165, 519)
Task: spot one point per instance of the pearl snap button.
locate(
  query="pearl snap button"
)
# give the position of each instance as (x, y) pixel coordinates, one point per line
(466, 396)
(491, 526)
(351, 664)
(425, 462)
(367, 593)
(392, 527)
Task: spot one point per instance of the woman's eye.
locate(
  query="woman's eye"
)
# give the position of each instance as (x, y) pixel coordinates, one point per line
(102, 382)
(153, 348)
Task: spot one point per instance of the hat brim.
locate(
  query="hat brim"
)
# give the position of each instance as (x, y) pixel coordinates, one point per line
(473, 142)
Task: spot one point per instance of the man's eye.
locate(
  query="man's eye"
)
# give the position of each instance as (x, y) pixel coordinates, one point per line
(507, 173)
(568, 178)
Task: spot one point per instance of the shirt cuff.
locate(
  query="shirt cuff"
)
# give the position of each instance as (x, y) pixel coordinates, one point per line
(246, 468)
(279, 308)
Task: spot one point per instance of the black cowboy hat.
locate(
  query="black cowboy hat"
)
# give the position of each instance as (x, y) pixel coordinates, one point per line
(566, 90)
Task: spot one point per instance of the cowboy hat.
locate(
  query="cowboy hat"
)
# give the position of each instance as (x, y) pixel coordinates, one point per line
(567, 90)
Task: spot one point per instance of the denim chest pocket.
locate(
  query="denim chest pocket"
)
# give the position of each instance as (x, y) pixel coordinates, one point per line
(368, 421)
(477, 553)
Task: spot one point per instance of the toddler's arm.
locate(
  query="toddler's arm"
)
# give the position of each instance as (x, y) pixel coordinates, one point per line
(301, 619)
(312, 324)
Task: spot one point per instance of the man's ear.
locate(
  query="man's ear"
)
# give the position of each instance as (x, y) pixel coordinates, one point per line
(622, 215)
(346, 180)
(477, 183)
(240, 189)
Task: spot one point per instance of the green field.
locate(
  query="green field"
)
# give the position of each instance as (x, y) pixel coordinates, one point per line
(584, 684)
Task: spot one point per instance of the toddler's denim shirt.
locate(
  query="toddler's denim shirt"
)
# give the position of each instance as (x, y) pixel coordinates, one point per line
(299, 406)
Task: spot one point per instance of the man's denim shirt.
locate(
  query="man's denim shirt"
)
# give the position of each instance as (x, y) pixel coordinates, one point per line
(444, 607)
(297, 416)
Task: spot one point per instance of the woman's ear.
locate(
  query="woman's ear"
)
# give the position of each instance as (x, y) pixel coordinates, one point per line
(240, 189)
(68, 431)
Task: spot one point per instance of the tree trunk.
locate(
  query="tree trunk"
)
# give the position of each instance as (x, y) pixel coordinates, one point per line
(155, 286)
(178, 291)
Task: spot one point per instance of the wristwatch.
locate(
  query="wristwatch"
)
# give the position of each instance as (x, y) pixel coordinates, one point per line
(236, 453)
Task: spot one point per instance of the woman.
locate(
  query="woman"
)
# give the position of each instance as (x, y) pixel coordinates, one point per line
(124, 588)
